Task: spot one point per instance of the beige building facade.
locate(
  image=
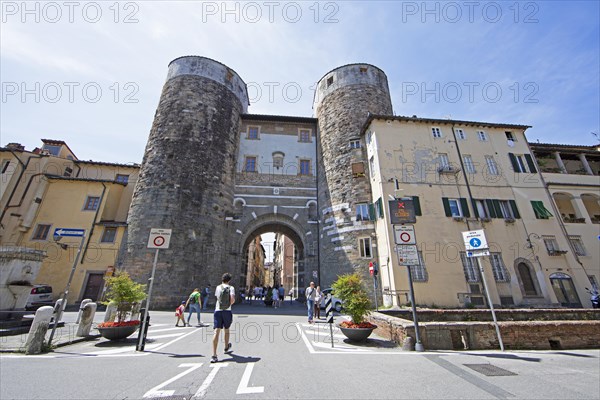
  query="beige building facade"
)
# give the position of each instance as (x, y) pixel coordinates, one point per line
(49, 188)
(464, 176)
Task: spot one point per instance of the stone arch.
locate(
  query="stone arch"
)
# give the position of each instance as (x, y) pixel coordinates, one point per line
(527, 278)
(591, 202)
(566, 206)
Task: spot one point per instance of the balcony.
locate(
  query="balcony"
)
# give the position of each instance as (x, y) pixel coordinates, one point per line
(571, 220)
(557, 252)
(448, 169)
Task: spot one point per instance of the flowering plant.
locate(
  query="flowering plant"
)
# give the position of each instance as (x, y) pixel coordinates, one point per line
(118, 324)
(350, 324)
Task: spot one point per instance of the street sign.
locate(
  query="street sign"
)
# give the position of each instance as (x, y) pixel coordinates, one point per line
(478, 253)
(475, 240)
(402, 211)
(159, 238)
(408, 255)
(404, 234)
(328, 310)
(371, 268)
(74, 232)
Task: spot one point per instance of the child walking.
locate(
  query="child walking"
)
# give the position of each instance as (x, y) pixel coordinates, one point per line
(179, 311)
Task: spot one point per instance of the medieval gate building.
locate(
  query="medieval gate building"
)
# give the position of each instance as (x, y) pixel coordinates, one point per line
(218, 176)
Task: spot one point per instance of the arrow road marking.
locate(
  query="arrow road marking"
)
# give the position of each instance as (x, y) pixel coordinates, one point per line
(243, 387)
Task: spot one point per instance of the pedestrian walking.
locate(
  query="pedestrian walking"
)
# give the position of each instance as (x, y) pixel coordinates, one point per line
(205, 295)
(291, 296)
(194, 302)
(318, 297)
(310, 301)
(276, 297)
(179, 313)
(223, 317)
(281, 295)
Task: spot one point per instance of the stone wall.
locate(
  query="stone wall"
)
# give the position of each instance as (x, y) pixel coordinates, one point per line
(516, 335)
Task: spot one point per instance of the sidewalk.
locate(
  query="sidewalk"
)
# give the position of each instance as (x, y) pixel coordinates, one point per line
(63, 336)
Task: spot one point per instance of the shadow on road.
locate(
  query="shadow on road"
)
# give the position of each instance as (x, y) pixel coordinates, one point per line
(507, 356)
(240, 359)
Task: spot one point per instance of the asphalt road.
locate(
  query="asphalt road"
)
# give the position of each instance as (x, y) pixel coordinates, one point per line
(277, 355)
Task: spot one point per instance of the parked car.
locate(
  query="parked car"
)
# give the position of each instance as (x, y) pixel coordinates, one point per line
(337, 303)
(41, 295)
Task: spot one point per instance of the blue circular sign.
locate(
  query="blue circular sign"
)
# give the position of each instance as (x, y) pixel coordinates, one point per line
(475, 242)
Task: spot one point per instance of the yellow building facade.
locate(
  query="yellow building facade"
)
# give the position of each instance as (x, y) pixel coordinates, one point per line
(464, 176)
(49, 188)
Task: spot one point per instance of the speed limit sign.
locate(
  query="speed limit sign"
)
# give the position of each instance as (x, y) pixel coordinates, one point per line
(159, 238)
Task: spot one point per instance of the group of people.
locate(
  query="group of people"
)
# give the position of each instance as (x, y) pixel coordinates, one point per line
(313, 302)
(222, 316)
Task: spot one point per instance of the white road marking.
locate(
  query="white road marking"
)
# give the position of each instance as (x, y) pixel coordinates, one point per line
(175, 328)
(156, 392)
(306, 341)
(243, 386)
(164, 336)
(175, 340)
(204, 387)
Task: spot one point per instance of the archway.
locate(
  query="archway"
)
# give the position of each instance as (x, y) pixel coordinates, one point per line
(564, 289)
(526, 276)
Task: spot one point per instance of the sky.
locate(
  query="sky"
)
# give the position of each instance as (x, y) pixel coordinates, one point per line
(91, 73)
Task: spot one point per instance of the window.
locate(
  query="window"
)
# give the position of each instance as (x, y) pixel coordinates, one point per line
(330, 81)
(455, 207)
(578, 245)
(252, 132)
(593, 281)
(54, 150)
(369, 137)
(68, 171)
(109, 234)
(551, 244)
(355, 144)
(91, 203)
(461, 134)
(364, 247)
(491, 165)
(522, 163)
(41, 232)
(304, 167)
(362, 212)
(498, 268)
(419, 273)
(250, 164)
(506, 210)
(304, 135)
(372, 166)
(539, 210)
(510, 137)
(443, 159)
(122, 178)
(436, 133)
(469, 166)
(482, 136)
(481, 209)
(469, 267)
(358, 170)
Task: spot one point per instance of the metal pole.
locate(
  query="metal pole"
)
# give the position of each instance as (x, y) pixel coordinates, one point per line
(66, 292)
(375, 290)
(140, 345)
(487, 293)
(418, 344)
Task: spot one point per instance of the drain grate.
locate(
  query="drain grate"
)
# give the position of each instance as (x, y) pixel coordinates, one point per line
(489, 370)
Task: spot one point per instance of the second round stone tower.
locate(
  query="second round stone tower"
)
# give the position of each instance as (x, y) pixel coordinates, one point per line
(345, 96)
(186, 180)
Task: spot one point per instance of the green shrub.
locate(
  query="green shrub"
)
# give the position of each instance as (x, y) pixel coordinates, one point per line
(350, 289)
(124, 292)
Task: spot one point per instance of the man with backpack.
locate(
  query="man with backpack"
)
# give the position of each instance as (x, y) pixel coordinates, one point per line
(194, 302)
(223, 317)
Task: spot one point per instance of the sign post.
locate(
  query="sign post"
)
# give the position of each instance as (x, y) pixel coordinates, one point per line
(477, 246)
(159, 239)
(59, 233)
(373, 271)
(329, 316)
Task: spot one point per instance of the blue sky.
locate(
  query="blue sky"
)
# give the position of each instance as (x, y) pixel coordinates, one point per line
(92, 75)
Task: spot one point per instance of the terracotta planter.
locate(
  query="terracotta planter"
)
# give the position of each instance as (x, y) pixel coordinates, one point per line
(118, 332)
(357, 334)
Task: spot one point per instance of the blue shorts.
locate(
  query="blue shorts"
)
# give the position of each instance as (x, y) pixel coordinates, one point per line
(223, 319)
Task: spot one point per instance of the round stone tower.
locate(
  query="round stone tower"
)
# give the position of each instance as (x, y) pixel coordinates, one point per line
(186, 179)
(344, 98)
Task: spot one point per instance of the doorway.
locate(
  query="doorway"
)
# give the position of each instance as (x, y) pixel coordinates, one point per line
(564, 289)
(93, 286)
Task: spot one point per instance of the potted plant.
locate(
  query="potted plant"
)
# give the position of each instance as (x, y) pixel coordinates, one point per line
(351, 290)
(125, 295)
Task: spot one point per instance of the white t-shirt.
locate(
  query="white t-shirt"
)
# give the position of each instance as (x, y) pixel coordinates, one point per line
(218, 293)
(275, 294)
(311, 293)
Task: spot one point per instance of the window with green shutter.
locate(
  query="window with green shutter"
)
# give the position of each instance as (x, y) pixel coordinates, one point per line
(539, 210)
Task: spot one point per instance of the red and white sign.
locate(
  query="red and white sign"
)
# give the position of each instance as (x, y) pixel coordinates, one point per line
(159, 238)
(404, 234)
(371, 268)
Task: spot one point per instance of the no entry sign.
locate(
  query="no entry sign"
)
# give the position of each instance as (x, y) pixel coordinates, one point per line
(159, 238)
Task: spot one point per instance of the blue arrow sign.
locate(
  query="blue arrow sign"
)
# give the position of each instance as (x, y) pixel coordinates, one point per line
(69, 232)
(475, 242)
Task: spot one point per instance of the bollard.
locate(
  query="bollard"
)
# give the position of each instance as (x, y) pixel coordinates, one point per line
(110, 313)
(83, 303)
(37, 332)
(59, 308)
(408, 344)
(87, 317)
(143, 332)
